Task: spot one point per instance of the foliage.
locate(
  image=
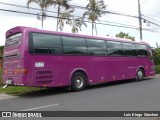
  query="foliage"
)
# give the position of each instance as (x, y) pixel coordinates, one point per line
(125, 35)
(157, 69)
(68, 18)
(1, 82)
(1, 51)
(60, 4)
(94, 11)
(156, 56)
(156, 53)
(76, 24)
(43, 4)
(65, 16)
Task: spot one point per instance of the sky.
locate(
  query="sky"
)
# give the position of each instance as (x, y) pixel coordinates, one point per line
(149, 9)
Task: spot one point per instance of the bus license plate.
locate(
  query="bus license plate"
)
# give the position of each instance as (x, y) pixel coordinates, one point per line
(9, 82)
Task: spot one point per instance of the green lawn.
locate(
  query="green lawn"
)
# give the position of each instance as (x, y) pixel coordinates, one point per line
(18, 90)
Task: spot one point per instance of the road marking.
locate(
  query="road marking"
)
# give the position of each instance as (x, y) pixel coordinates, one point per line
(40, 107)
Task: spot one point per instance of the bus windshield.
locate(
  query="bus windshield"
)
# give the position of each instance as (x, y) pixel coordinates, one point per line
(13, 39)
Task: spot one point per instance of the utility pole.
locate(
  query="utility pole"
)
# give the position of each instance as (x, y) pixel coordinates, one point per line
(140, 20)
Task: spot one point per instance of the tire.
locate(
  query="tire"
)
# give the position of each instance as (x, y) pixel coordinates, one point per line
(140, 75)
(78, 81)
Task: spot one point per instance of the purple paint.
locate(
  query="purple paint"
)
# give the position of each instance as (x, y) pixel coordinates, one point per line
(57, 70)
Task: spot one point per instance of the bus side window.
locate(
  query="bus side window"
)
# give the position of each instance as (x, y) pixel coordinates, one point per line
(46, 44)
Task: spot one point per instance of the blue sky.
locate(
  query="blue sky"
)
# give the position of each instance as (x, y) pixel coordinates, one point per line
(150, 9)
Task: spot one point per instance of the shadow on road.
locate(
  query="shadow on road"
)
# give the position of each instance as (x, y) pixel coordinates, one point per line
(114, 83)
(45, 92)
(57, 91)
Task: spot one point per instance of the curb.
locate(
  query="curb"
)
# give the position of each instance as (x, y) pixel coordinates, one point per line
(6, 96)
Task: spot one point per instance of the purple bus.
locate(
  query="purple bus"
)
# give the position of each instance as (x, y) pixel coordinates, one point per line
(41, 58)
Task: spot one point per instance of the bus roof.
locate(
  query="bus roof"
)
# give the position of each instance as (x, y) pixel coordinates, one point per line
(21, 28)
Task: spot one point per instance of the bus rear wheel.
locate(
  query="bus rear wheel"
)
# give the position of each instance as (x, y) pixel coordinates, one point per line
(140, 75)
(78, 81)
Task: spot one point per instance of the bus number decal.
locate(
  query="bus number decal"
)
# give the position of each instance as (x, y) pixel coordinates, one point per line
(39, 64)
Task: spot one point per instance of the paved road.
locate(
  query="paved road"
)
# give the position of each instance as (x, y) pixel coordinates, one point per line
(118, 96)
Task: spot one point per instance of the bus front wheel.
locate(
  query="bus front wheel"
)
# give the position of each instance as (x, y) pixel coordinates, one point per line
(78, 81)
(140, 75)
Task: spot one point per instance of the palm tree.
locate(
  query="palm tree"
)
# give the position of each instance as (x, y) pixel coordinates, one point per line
(67, 17)
(76, 24)
(43, 4)
(94, 11)
(60, 4)
(64, 16)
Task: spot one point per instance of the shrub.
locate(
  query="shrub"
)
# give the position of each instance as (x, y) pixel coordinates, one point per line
(1, 82)
(157, 69)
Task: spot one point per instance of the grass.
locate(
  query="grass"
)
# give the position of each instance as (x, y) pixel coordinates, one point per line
(19, 90)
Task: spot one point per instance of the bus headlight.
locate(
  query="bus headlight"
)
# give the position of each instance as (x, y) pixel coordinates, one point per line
(152, 68)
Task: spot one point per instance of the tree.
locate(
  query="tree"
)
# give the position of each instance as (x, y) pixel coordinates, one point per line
(43, 4)
(94, 11)
(60, 4)
(125, 35)
(67, 17)
(76, 24)
(1, 51)
(64, 16)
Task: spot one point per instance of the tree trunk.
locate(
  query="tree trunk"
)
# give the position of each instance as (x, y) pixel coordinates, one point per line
(42, 17)
(95, 28)
(92, 28)
(58, 17)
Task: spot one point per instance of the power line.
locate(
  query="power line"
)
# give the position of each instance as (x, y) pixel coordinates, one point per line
(107, 11)
(84, 21)
(75, 6)
(150, 18)
(114, 24)
(14, 5)
(56, 12)
(13, 11)
(144, 2)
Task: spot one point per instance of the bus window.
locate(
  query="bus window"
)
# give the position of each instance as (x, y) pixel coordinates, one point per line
(141, 50)
(13, 40)
(96, 47)
(114, 48)
(46, 44)
(73, 45)
(129, 49)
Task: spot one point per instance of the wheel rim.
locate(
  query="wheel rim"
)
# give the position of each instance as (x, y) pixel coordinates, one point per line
(140, 74)
(79, 82)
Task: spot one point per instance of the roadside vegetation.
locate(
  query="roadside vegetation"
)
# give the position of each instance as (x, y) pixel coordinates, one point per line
(1, 83)
(157, 58)
(157, 68)
(19, 90)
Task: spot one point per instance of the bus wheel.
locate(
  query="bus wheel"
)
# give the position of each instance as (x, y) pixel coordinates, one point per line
(140, 75)
(78, 81)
